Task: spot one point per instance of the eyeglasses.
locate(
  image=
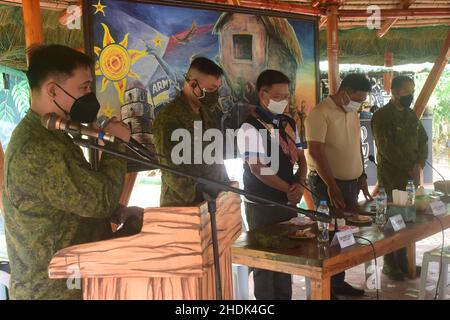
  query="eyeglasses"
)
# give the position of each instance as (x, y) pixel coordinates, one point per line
(203, 90)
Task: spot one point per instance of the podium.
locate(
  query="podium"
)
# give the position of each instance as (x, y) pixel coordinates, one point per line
(171, 258)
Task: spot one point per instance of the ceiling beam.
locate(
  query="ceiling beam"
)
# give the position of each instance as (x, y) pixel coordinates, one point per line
(322, 22)
(49, 5)
(405, 4)
(386, 27)
(234, 2)
(67, 17)
(391, 21)
(395, 13)
(272, 5)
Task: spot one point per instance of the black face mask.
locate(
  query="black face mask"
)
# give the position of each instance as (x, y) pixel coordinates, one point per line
(210, 99)
(84, 109)
(406, 101)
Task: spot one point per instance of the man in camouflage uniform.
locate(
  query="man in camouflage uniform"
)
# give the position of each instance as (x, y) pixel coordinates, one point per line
(195, 103)
(402, 148)
(52, 199)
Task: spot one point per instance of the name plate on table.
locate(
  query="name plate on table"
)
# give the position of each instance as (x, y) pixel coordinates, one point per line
(344, 238)
(437, 208)
(396, 222)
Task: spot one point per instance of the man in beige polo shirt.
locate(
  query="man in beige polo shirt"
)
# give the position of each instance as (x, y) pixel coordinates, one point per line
(334, 158)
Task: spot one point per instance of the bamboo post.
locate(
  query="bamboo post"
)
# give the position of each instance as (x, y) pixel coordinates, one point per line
(333, 48)
(387, 76)
(32, 22)
(433, 78)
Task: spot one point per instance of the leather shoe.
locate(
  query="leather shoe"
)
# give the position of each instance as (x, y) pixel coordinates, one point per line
(346, 289)
(394, 275)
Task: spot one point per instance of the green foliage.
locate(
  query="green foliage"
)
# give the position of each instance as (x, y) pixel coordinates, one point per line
(439, 106)
(441, 110)
(21, 97)
(14, 104)
(441, 117)
(7, 112)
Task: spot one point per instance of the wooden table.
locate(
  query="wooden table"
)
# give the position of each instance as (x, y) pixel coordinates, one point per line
(304, 258)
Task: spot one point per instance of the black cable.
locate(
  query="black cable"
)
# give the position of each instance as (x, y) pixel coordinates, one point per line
(150, 155)
(144, 152)
(442, 252)
(378, 281)
(214, 185)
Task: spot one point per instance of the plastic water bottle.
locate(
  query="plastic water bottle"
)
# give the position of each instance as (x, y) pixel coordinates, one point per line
(323, 226)
(411, 189)
(380, 218)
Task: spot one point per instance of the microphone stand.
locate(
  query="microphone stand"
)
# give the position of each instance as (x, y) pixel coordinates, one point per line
(314, 215)
(211, 190)
(210, 196)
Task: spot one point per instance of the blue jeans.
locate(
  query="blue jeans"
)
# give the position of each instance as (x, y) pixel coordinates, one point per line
(349, 190)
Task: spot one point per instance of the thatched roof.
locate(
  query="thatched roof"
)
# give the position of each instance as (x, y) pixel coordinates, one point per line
(409, 45)
(358, 44)
(278, 28)
(12, 35)
(362, 5)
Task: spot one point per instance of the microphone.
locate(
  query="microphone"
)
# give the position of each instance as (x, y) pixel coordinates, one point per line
(102, 121)
(135, 145)
(372, 159)
(51, 121)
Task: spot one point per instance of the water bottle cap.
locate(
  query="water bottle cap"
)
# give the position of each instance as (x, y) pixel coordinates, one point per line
(323, 202)
(381, 188)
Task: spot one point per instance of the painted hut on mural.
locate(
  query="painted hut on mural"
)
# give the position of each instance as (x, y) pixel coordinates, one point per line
(249, 44)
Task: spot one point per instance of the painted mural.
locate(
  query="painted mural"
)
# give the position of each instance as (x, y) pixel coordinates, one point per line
(143, 50)
(14, 101)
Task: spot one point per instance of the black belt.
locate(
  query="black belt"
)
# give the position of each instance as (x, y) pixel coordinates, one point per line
(314, 173)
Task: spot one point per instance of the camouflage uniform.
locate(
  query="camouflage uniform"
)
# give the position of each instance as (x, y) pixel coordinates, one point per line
(52, 200)
(175, 189)
(401, 143)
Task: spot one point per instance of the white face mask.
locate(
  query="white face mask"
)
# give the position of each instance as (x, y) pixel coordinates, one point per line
(352, 106)
(277, 107)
